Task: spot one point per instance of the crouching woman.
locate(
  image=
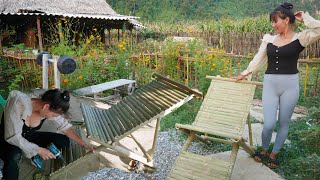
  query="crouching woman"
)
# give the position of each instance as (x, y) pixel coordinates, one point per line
(22, 118)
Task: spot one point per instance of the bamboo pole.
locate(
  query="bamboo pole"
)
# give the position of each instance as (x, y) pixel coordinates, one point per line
(178, 85)
(112, 121)
(149, 158)
(154, 143)
(247, 148)
(234, 152)
(235, 80)
(189, 140)
(250, 130)
(136, 109)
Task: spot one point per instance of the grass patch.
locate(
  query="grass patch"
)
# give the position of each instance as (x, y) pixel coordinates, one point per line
(184, 115)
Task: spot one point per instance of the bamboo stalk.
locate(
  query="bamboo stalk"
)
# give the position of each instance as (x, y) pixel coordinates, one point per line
(116, 117)
(113, 121)
(106, 129)
(234, 80)
(136, 110)
(124, 120)
(127, 113)
(142, 109)
(97, 127)
(189, 140)
(165, 92)
(112, 131)
(161, 96)
(149, 158)
(178, 85)
(153, 108)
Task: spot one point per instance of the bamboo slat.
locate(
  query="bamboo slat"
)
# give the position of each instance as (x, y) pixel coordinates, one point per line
(113, 126)
(153, 108)
(192, 166)
(135, 110)
(162, 98)
(105, 125)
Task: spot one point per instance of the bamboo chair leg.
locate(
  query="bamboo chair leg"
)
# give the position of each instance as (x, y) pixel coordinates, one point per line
(245, 147)
(200, 138)
(156, 131)
(234, 152)
(250, 130)
(189, 140)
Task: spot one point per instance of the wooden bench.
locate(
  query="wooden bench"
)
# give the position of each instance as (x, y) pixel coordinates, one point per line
(112, 85)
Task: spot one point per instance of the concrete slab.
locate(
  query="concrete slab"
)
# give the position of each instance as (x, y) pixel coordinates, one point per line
(246, 168)
(256, 134)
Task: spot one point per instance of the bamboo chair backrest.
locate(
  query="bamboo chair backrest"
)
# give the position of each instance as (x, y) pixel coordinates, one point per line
(152, 101)
(225, 108)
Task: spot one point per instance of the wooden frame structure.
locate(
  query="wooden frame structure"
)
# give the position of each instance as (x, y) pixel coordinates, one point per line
(153, 101)
(222, 118)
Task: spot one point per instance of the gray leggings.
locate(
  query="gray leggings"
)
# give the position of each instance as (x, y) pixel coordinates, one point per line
(279, 91)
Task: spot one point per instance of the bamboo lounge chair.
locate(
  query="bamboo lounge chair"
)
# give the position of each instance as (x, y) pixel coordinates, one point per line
(223, 114)
(153, 101)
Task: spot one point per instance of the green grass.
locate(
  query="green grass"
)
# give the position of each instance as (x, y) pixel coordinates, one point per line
(184, 115)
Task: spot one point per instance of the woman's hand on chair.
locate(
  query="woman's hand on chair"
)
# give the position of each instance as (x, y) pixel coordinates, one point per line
(89, 148)
(240, 77)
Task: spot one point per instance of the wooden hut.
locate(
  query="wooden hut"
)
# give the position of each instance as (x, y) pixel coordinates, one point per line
(28, 17)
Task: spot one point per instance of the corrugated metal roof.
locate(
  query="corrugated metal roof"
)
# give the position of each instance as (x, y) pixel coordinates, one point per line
(90, 16)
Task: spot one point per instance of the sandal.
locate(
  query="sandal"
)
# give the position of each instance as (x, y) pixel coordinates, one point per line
(272, 163)
(260, 156)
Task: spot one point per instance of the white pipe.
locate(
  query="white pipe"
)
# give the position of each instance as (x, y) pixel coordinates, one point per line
(45, 71)
(56, 72)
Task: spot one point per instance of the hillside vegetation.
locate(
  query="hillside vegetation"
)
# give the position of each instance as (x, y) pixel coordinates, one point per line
(177, 10)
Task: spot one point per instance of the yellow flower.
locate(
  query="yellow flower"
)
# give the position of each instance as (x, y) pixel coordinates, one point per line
(88, 41)
(213, 64)
(91, 37)
(80, 77)
(65, 80)
(120, 45)
(211, 69)
(95, 29)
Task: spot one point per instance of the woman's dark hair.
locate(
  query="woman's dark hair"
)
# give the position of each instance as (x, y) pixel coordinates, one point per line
(59, 102)
(283, 11)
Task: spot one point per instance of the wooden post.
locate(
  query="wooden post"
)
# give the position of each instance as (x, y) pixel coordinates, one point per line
(60, 30)
(39, 33)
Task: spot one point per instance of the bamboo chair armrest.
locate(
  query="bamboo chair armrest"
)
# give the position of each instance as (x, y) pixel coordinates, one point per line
(208, 131)
(235, 80)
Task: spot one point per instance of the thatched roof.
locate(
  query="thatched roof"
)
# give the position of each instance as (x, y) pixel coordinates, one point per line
(93, 7)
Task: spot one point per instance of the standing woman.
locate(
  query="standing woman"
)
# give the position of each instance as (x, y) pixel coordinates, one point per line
(281, 80)
(22, 118)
